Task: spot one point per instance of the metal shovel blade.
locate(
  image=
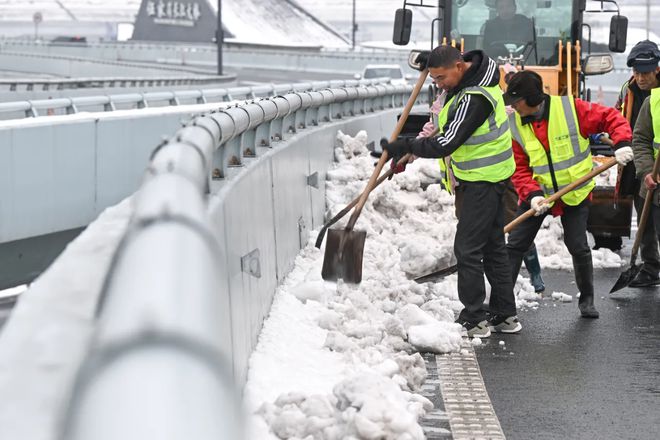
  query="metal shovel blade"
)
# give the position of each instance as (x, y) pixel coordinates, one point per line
(626, 277)
(343, 255)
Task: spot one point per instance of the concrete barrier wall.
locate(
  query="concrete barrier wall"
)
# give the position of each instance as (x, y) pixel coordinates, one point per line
(270, 208)
(58, 173)
(224, 207)
(258, 171)
(89, 161)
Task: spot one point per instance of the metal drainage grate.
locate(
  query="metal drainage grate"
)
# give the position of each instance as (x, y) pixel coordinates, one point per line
(436, 422)
(470, 412)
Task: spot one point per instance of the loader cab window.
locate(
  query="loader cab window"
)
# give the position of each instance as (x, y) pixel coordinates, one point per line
(504, 28)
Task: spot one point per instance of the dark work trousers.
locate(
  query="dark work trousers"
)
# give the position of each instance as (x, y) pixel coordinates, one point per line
(510, 213)
(574, 221)
(648, 246)
(655, 216)
(480, 248)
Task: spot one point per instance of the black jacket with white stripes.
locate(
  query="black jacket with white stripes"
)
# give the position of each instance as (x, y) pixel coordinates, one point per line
(471, 113)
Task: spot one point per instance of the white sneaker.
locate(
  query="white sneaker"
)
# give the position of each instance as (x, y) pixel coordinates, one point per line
(504, 324)
(480, 330)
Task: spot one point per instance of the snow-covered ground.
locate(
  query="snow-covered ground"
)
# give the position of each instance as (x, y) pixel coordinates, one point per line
(338, 361)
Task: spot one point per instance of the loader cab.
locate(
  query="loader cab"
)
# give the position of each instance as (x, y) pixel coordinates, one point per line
(543, 35)
(526, 30)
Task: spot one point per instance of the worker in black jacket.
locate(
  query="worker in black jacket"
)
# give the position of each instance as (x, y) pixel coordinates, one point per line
(475, 133)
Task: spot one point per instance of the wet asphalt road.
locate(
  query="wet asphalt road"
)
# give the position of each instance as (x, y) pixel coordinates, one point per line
(573, 378)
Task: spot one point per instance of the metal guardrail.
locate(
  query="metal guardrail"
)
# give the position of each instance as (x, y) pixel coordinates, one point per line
(46, 84)
(195, 57)
(104, 61)
(34, 108)
(148, 349)
(191, 48)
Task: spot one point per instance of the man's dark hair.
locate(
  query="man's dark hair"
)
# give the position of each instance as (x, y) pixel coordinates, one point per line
(444, 56)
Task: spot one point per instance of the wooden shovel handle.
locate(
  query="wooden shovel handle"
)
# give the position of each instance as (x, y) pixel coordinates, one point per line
(384, 157)
(568, 188)
(648, 201)
(386, 175)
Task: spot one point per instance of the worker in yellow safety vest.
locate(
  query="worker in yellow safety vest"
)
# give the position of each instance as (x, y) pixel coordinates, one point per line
(646, 144)
(551, 150)
(474, 131)
(643, 59)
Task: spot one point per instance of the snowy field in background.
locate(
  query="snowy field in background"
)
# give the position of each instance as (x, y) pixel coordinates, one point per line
(338, 361)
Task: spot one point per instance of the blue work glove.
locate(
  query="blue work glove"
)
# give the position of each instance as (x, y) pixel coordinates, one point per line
(597, 138)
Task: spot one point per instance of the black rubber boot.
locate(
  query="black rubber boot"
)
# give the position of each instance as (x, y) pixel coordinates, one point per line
(534, 268)
(584, 278)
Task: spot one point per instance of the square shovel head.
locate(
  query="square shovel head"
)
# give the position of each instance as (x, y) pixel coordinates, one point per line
(343, 255)
(626, 277)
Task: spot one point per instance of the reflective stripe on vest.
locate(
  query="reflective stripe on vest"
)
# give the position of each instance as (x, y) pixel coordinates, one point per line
(568, 150)
(493, 134)
(623, 96)
(486, 155)
(578, 154)
(550, 190)
(444, 176)
(483, 162)
(655, 119)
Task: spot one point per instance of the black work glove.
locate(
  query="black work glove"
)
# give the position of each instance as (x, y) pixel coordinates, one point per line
(423, 59)
(396, 150)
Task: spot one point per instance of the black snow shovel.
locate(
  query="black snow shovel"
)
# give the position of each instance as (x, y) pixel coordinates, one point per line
(433, 276)
(345, 247)
(628, 275)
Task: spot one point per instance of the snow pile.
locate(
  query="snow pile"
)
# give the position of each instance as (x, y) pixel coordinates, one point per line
(550, 239)
(553, 253)
(562, 297)
(365, 406)
(607, 177)
(338, 361)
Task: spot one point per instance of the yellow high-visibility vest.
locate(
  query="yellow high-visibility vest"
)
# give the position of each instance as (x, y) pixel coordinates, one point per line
(486, 155)
(569, 156)
(655, 119)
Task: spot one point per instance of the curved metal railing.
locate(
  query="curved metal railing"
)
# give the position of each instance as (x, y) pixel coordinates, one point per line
(160, 335)
(42, 107)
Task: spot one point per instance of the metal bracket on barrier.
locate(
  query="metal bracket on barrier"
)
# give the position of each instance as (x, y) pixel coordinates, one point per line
(313, 180)
(250, 264)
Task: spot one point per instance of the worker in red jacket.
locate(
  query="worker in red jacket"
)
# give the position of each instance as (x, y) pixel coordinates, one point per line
(551, 150)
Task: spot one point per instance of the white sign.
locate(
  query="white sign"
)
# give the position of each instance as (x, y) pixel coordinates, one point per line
(37, 17)
(174, 12)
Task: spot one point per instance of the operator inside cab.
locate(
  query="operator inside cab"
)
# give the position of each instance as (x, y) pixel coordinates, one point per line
(508, 32)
